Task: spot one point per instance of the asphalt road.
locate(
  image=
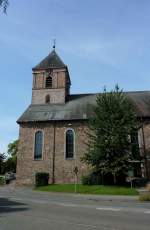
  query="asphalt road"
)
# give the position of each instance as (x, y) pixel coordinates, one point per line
(24, 209)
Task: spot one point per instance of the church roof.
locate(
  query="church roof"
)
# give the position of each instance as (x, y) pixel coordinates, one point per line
(79, 107)
(51, 61)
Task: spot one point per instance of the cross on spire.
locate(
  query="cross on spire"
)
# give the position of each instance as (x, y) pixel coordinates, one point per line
(54, 43)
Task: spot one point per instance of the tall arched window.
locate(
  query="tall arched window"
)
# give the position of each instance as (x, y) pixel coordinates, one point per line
(69, 144)
(38, 145)
(47, 99)
(48, 82)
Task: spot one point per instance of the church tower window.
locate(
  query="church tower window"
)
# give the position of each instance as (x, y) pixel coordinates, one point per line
(48, 82)
(69, 144)
(38, 145)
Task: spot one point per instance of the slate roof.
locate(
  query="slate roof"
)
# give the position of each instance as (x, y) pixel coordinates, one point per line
(51, 61)
(79, 107)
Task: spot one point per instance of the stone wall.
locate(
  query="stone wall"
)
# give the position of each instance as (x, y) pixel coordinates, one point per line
(63, 168)
(59, 87)
(145, 146)
(57, 96)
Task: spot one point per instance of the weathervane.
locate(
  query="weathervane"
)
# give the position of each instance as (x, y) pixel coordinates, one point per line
(54, 43)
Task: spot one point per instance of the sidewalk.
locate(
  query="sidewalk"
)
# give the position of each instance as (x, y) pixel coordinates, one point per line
(12, 188)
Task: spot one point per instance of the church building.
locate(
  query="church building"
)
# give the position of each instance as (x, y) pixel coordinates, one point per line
(53, 128)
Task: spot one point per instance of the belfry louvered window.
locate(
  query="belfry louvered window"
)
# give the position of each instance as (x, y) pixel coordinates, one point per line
(38, 145)
(69, 144)
(48, 82)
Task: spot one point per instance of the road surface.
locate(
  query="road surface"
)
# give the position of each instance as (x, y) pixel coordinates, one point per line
(24, 209)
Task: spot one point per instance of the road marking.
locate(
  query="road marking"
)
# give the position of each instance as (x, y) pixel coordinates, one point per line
(109, 209)
(68, 205)
(147, 212)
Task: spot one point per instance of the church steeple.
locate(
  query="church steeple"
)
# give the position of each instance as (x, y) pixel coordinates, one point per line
(50, 80)
(51, 61)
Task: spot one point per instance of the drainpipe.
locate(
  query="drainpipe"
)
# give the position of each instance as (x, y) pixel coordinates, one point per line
(54, 149)
(144, 150)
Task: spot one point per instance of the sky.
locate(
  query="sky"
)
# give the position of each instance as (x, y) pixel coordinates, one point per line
(103, 42)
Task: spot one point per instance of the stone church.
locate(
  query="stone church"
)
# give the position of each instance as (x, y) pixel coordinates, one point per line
(53, 128)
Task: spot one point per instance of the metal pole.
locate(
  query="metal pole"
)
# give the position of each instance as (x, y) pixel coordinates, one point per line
(75, 172)
(53, 173)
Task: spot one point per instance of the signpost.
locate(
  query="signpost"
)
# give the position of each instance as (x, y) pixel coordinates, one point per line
(75, 181)
(130, 177)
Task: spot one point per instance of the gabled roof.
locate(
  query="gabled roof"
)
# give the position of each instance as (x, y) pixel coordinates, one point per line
(51, 61)
(79, 107)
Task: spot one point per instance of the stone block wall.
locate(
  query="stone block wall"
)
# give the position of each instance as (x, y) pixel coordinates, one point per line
(63, 168)
(59, 87)
(145, 146)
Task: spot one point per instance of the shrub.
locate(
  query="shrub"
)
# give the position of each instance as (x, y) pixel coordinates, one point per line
(41, 179)
(96, 178)
(148, 186)
(140, 182)
(2, 180)
(91, 179)
(144, 197)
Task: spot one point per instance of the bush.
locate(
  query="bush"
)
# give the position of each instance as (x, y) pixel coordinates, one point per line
(91, 179)
(41, 179)
(2, 180)
(140, 182)
(144, 197)
(96, 178)
(148, 186)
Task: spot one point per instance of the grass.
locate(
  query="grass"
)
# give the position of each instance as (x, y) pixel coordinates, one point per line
(89, 189)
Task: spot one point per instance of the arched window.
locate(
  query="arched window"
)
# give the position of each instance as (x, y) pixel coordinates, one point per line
(38, 145)
(47, 99)
(69, 144)
(48, 82)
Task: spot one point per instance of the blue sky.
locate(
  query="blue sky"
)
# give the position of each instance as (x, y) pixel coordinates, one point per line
(103, 42)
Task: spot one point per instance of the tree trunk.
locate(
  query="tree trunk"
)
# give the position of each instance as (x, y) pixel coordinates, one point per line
(114, 175)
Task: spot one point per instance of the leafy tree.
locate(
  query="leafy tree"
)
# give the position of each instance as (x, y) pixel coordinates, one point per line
(13, 148)
(10, 163)
(2, 158)
(4, 4)
(12, 160)
(109, 143)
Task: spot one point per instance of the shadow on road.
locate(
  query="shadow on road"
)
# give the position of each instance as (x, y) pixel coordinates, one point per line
(7, 205)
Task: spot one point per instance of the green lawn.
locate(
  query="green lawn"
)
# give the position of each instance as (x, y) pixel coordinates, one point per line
(89, 189)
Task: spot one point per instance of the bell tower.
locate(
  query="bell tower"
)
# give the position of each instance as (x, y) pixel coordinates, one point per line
(51, 81)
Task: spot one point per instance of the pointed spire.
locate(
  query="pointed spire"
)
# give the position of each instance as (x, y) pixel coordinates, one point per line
(51, 61)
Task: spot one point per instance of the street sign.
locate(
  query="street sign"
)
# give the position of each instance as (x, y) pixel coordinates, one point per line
(76, 170)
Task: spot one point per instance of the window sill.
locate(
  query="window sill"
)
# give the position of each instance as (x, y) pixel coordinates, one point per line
(70, 159)
(37, 159)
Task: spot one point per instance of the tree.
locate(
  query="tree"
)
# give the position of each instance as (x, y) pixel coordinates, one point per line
(4, 4)
(10, 164)
(109, 143)
(2, 158)
(13, 148)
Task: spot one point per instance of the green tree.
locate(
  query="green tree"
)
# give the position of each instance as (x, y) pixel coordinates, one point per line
(13, 148)
(2, 159)
(109, 143)
(4, 4)
(11, 162)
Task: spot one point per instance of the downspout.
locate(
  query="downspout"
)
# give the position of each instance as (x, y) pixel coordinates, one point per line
(144, 150)
(54, 149)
